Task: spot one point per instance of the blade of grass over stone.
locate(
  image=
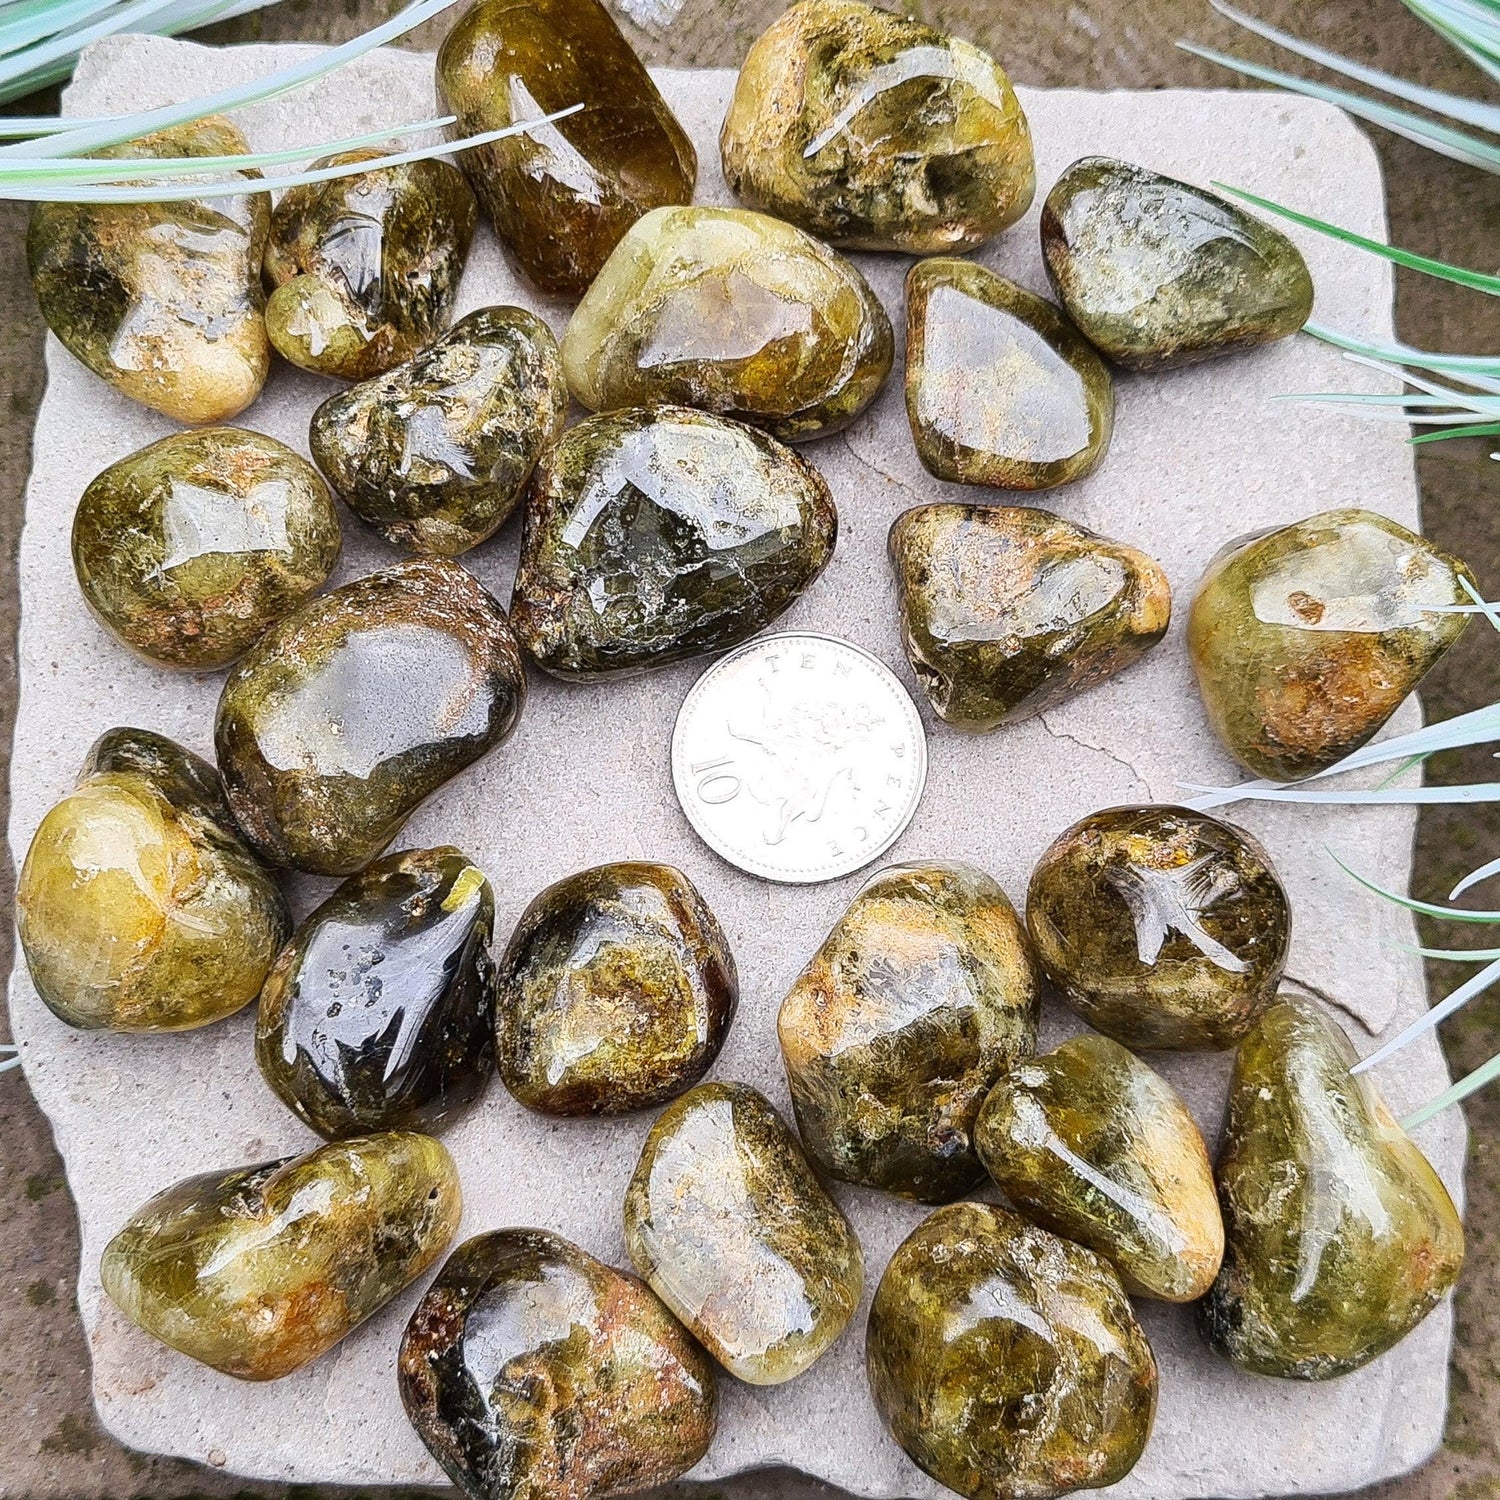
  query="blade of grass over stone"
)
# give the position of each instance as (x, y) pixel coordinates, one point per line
(1460, 1091)
(1476, 984)
(1475, 369)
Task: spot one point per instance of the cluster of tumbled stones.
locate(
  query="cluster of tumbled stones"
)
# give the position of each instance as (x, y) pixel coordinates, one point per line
(1002, 1349)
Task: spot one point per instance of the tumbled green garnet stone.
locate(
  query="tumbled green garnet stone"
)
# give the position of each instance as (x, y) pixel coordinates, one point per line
(1305, 640)
(350, 713)
(919, 998)
(1089, 1142)
(259, 1270)
(139, 907)
(531, 1370)
(190, 548)
(616, 991)
(1007, 1362)
(875, 131)
(380, 1012)
(1006, 611)
(364, 268)
(561, 195)
(1159, 273)
(1000, 388)
(734, 1232)
(654, 534)
(435, 454)
(1160, 926)
(1340, 1237)
(162, 300)
(736, 313)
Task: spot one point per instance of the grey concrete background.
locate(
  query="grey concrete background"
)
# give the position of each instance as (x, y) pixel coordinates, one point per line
(50, 1446)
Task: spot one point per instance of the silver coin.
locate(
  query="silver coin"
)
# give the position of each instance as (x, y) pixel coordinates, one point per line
(799, 757)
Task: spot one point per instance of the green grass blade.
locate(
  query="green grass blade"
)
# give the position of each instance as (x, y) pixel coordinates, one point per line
(1478, 429)
(1491, 867)
(1416, 796)
(1475, 368)
(1474, 985)
(33, 22)
(1422, 908)
(1455, 1094)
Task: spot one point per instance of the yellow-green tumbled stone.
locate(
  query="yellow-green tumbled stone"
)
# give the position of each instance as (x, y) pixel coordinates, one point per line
(735, 313)
(1306, 639)
(878, 132)
(1089, 1142)
(1007, 1362)
(1001, 389)
(734, 1232)
(257, 1271)
(139, 907)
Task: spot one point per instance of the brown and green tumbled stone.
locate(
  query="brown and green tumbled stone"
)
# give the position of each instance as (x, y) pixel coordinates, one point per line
(877, 132)
(919, 998)
(533, 1371)
(1000, 388)
(364, 268)
(139, 907)
(1340, 1236)
(188, 549)
(435, 454)
(1007, 1362)
(347, 715)
(1306, 639)
(561, 195)
(1162, 927)
(162, 300)
(1158, 273)
(733, 312)
(1089, 1142)
(257, 1271)
(658, 533)
(616, 991)
(1006, 611)
(734, 1232)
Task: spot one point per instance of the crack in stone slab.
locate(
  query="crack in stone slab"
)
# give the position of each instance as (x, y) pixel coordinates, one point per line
(1073, 739)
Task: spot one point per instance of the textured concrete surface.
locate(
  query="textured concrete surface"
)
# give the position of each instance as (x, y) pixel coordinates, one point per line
(49, 1444)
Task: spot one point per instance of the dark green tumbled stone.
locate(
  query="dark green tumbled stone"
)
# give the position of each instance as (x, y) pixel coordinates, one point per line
(364, 268)
(1007, 1362)
(1157, 272)
(350, 713)
(1340, 1236)
(658, 533)
(380, 1012)
(139, 906)
(435, 454)
(616, 991)
(1160, 926)
(734, 1232)
(190, 548)
(533, 1371)
(920, 997)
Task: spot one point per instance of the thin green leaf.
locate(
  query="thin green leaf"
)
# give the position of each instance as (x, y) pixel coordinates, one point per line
(1477, 429)
(1492, 867)
(9, 1063)
(1475, 369)
(1458, 1092)
(1450, 955)
(1416, 796)
(1422, 908)
(1474, 985)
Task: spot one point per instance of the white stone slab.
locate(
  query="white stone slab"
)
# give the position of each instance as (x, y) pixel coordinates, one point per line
(1198, 456)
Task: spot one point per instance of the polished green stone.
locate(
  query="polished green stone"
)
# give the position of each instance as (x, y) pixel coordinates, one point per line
(139, 907)
(364, 268)
(380, 1012)
(616, 991)
(347, 715)
(561, 195)
(259, 1270)
(189, 549)
(654, 534)
(1007, 1362)
(878, 132)
(1160, 926)
(1159, 273)
(1007, 611)
(435, 454)
(1089, 1142)
(1000, 388)
(734, 1232)
(533, 1371)
(1306, 639)
(1340, 1237)
(162, 300)
(735, 313)
(920, 997)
